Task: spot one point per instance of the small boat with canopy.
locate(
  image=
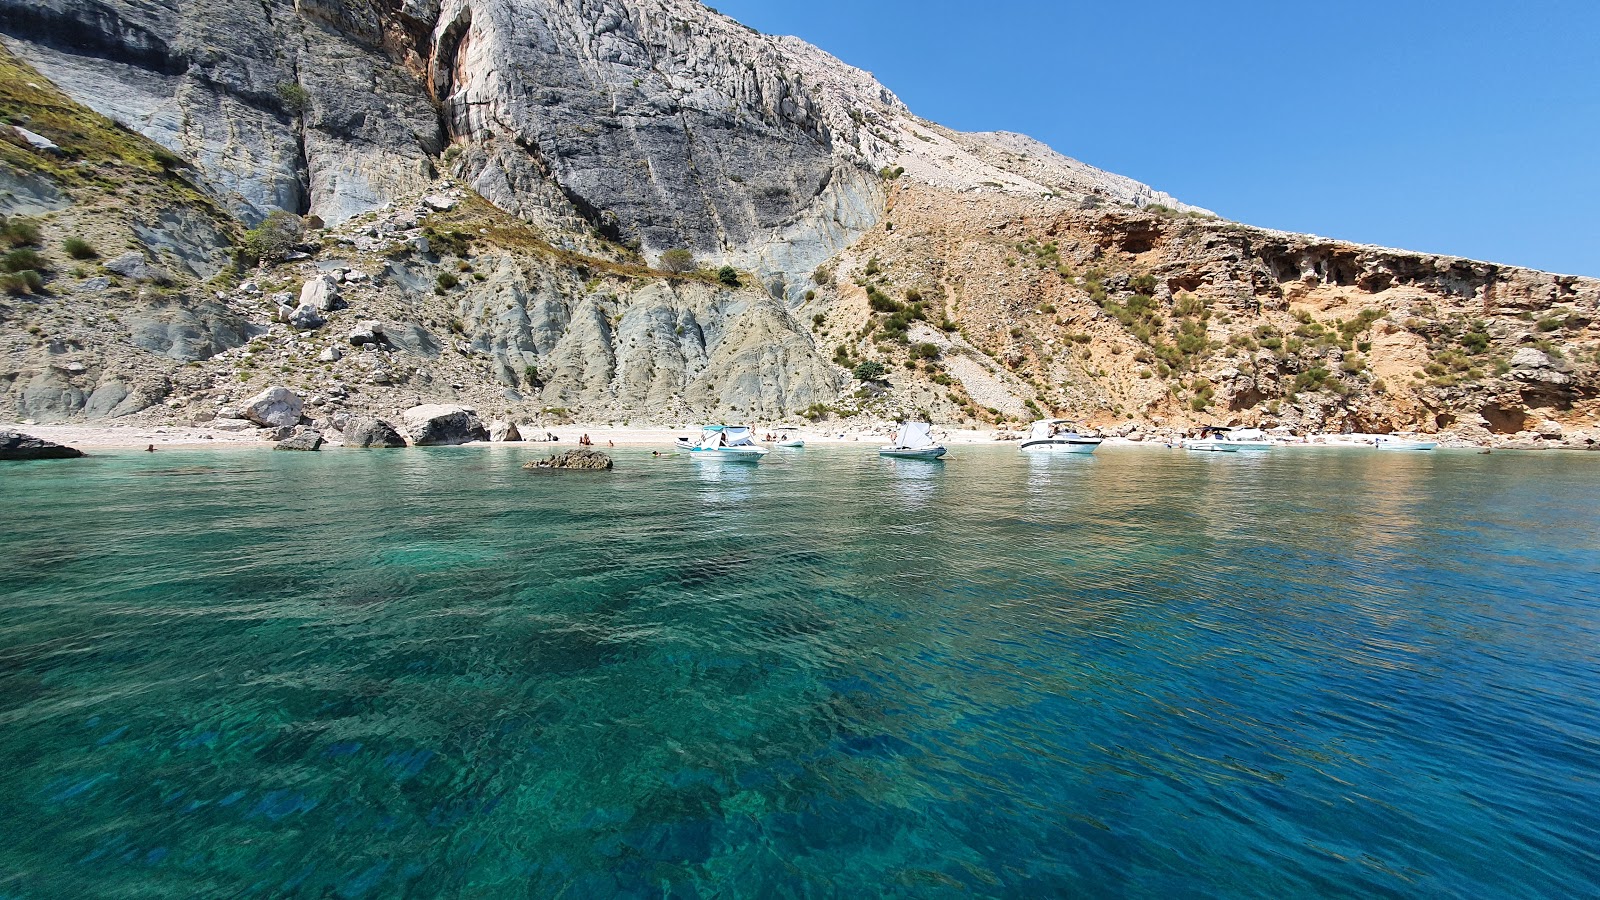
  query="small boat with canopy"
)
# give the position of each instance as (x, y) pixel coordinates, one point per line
(1217, 439)
(1049, 436)
(724, 442)
(914, 440)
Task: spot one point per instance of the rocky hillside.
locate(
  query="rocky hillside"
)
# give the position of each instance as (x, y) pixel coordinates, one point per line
(641, 209)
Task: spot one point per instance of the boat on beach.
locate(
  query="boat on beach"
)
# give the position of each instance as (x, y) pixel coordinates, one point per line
(1403, 441)
(1217, 439)
(1044, 437)
(914, 440)
(724, 442)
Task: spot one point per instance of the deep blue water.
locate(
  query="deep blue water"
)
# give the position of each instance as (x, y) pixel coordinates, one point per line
(1141, 674)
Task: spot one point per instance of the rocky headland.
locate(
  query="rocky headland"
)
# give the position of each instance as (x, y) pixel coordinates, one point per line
(323, 214)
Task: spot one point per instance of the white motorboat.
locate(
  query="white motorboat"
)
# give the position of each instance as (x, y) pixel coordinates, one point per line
(792, 443)
(1045, 438)
(725, 442)
(913, 441)
(1217, 439)
(1402, 441)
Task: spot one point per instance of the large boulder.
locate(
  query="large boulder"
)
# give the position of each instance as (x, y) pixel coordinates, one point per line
(320, 293)
(367, 333)
(587, 460)
(275, 407)
(371, 433)
(16, 445)
(435, 424)
(504, 431)
(306, 318)
(302, 439)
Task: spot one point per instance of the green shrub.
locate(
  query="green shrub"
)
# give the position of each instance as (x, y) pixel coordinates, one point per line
(1550, 323)
(445, 282)
(810, 296)
(1143, 284)
(296, 99)
(870, 370)
(817, 320)
(873, 267)
(19, 232)
(817, 411)
(530, 374)
(276, 235)
(22, 259)
(78, 248)
(21, 283)
(678, 260)
(729, 276)
(925, 351)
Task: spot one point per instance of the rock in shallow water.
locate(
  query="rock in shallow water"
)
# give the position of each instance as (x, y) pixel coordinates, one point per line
(589, 460)
(435, 424)
(16, 445)
(371, 433)
(303, 439)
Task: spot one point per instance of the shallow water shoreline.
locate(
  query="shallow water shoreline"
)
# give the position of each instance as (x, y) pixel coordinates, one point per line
(114, 437)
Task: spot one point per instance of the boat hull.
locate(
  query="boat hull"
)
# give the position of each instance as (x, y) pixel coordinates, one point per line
(1057, 445)
(737, 454)
(921, 453)
(793, 445)
(1225, 446)
(1406, 445)
(1209, 447)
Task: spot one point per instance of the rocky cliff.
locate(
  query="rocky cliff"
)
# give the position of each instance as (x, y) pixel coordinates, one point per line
(497, 185)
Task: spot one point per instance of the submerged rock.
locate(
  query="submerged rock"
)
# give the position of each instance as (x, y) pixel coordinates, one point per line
(437, 424)
(16, 445)
(590, 460)
(371, 433)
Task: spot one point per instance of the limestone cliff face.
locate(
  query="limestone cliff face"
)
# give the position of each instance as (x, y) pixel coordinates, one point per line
(656, 122)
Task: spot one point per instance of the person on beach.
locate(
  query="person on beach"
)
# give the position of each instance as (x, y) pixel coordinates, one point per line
(584, 441)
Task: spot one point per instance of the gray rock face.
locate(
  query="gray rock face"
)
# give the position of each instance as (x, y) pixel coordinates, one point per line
(133, 265)
(305, 439)
(438, 424)
(16, 445)
(275, 407)
(500, 432)
(188, 238)
(23, 193)
(371, 433)
(186, 330)
(225, 83)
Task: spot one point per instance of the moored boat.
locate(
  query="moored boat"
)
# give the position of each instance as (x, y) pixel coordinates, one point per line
(1402, 441)
(914, 440)
(725, 442)
(1217, 439)
(1044, 437)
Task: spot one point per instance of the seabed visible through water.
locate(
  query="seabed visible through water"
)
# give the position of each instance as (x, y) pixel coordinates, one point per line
(1141, 673)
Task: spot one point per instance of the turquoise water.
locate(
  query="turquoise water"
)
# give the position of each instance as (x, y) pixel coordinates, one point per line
(1140, 674)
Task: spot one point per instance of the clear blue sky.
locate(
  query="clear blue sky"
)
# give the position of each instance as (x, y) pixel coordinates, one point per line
(1466, 127)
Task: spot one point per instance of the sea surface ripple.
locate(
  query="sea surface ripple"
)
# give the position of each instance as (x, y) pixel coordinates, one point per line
(1138, 674)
